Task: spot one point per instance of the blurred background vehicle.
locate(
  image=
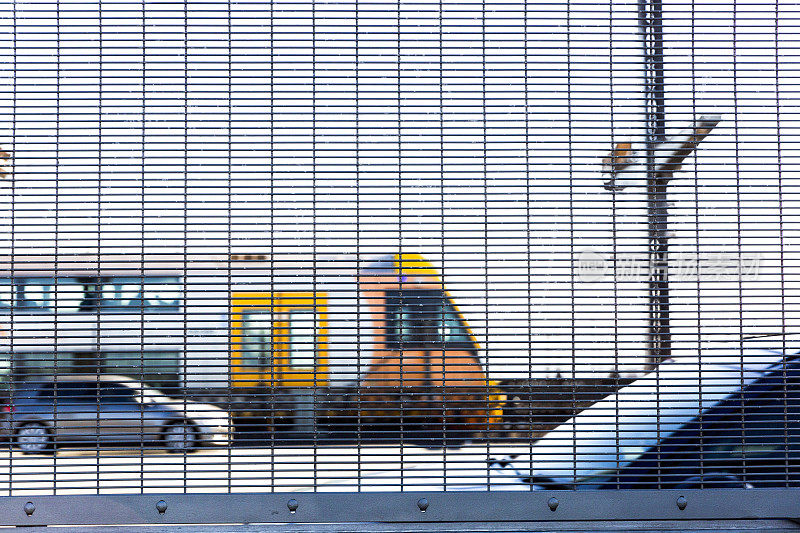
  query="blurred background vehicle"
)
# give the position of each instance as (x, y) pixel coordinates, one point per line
(108, 409)
(308, 349)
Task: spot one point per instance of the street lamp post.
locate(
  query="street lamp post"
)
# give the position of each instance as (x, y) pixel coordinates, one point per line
(625, 170)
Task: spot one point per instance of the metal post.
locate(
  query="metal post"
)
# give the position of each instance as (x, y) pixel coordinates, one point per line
(659, 336)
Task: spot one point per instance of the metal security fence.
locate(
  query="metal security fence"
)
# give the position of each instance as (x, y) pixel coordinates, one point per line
(402, 261)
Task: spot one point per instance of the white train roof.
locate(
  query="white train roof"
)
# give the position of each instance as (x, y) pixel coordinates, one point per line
(150, 264)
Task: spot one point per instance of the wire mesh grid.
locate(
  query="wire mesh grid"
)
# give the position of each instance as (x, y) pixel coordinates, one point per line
(363, 246)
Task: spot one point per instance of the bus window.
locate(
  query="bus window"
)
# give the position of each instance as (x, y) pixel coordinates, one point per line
(256, 339)
(302, 338)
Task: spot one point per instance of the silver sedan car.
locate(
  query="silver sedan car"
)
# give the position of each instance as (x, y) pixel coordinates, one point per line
(109, 409)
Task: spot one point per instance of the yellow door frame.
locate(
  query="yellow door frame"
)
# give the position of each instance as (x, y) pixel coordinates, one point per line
(242, 376)
(280, 373)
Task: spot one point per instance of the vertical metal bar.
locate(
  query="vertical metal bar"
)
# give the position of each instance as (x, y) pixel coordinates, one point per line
(660, 340)
(359, 377)
(740, 287)
(228, 258)
(484, 155)
(400, 275)
(781, 256)
(273, 370)
(528, 242)
(701, 429)
(12, 263)
(97, 281)
(571, 168)
(614, 248)
(444, 297)
(314, 436)
(185, 216)
(56, 228)
(142, 240)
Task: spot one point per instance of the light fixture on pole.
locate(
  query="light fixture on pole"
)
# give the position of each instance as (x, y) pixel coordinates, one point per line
(626, 167)
(5, 156)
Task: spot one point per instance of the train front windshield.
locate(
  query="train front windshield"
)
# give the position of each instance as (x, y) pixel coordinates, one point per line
(423, 319)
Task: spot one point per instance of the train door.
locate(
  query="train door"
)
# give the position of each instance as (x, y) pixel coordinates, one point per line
(279, 339)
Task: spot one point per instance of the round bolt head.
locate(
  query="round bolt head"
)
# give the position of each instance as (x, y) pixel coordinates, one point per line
(29, 508)
(681, 502)
(292, 505)
(161, 506)
(552, 503)
(423, 504)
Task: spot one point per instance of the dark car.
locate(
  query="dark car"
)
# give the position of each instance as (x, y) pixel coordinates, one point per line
(108, 409)
(751, 439)
(748, 437)
(715, 422)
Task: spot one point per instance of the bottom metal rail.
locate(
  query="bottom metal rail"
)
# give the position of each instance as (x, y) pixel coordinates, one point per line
(772, 525)
(412, 507)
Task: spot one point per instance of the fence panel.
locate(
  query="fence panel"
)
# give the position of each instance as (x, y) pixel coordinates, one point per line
(402, 261)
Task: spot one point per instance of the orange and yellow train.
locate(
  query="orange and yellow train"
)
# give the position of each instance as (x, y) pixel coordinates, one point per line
(306, 344)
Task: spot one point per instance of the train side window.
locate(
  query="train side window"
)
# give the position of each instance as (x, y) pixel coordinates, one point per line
(69, 295)
(163, 293)
(256, 339)
(65, 295)
(134, 294)
(302, 338)
(156, 369)
(6, 295)
(33, 364)
(34, 294)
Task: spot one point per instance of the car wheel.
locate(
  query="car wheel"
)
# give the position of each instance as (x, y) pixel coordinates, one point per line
(34, 438)
(180, 436)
